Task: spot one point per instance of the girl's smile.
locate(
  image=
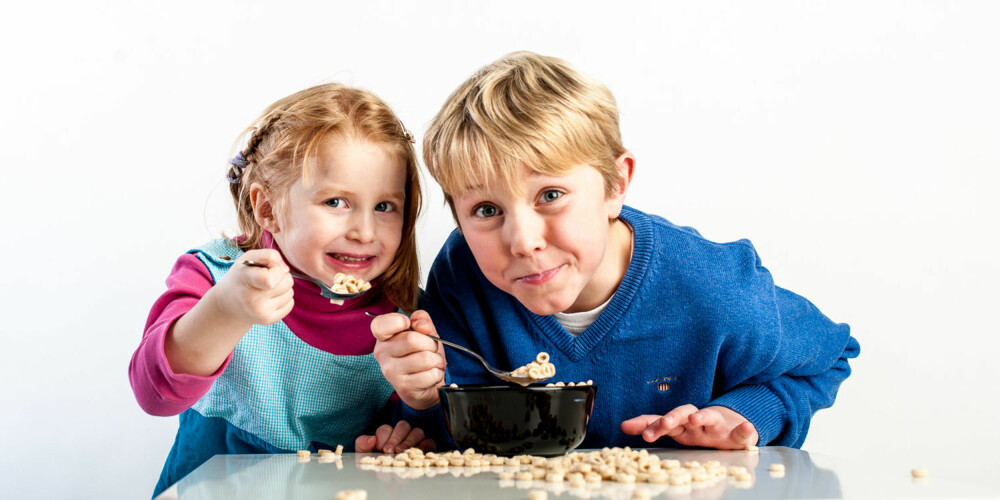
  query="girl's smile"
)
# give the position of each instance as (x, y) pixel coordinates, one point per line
(351, 262)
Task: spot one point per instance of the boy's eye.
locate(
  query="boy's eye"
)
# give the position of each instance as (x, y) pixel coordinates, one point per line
(550, 196)
(334, 203)
(384, 206)
(486, 211)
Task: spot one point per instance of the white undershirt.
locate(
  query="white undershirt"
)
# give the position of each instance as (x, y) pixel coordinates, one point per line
(576, 323)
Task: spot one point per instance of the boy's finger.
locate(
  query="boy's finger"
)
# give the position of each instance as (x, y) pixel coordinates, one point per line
(385, 326)
(410, 342)
(421, 322)
(398, 434)
(744, 434)
(706, 418)
(634, 426)
(676, 420)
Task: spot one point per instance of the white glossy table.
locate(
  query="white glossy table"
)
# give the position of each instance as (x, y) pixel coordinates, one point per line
(282, 476)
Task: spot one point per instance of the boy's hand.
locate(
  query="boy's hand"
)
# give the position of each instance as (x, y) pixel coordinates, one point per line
(255, 294)
(710, 427)
(390, 440)
(411, 362)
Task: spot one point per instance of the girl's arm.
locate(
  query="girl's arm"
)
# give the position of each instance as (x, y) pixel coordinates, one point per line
(194, 326)
(157, 388)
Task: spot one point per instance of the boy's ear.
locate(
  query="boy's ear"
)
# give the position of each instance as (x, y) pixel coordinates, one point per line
(263, 208)
(625, 164)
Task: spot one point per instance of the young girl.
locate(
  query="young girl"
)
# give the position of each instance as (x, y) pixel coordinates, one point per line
(255, 361)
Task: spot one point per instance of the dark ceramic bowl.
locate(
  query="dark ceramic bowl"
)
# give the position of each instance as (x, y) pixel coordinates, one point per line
(512, 420)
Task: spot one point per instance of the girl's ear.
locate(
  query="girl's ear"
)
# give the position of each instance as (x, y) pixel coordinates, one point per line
(625, 164)
(263, 208)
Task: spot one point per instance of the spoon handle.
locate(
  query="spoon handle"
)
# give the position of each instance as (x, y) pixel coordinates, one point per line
(503, 375)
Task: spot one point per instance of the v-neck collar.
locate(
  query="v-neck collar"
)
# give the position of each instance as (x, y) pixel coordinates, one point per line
(576, 347)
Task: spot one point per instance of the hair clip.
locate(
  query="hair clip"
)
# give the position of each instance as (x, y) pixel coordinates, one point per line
(406, 133)
(237, 164)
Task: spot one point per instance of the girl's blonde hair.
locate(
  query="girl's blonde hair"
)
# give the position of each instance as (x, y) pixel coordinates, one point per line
(289, 132)
(522, 111)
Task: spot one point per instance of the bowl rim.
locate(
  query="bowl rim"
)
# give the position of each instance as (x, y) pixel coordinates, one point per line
(512, 388)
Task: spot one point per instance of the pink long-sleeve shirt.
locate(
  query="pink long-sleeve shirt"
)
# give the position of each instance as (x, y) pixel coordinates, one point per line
(340, 330)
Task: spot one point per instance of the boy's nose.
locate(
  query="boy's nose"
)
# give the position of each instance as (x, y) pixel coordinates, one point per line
(362, 227)
(525, 232)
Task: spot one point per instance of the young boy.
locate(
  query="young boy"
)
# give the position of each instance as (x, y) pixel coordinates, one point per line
(688, 341)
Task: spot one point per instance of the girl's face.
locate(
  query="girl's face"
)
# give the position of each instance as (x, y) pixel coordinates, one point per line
(346, 216)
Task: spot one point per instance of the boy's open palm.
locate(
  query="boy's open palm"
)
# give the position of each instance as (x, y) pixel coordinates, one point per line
(412, 363)
(710, 427)
(255, 294)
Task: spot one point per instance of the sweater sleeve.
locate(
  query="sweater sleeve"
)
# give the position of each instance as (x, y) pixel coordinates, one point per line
(797, 360)
(158, 390)
(781, 409)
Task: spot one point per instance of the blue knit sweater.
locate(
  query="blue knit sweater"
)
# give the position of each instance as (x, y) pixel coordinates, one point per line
(692, 321)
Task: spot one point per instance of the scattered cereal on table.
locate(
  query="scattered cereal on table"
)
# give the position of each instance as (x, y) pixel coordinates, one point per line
(352, 495)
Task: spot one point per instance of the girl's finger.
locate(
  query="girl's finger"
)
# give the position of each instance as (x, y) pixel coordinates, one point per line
(427, 445)
(412, 439)
(382, 436)
(364, 444)
(398, 434)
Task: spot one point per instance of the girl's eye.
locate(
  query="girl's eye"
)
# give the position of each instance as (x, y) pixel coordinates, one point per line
(550, 196)
(384, 206)
(335, 203)
(486, 211)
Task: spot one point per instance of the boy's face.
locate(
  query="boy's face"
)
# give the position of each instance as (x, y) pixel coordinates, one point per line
(549, 247)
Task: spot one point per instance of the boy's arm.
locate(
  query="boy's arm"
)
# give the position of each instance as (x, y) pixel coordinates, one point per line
(781, 409)
(158, 390)
(806, 361)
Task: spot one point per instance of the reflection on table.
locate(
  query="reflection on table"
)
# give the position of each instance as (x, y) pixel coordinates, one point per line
(284, 476)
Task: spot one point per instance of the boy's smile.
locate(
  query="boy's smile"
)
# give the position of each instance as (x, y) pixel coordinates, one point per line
(557, 247)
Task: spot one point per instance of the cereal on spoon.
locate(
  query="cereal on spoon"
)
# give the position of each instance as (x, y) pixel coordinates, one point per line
(346, 284)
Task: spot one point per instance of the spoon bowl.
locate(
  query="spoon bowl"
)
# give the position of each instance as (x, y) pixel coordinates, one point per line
(324, 290)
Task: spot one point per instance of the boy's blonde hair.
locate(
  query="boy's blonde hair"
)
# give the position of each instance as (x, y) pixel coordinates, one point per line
(522, 111)
(283, 139)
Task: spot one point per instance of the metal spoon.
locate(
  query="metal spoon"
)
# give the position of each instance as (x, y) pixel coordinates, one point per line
(500, 374)
(335, 297)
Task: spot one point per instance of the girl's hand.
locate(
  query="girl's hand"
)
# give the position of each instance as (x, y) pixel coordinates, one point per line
(390, 440)
(710, 427)
(411, 362)
(254, 294)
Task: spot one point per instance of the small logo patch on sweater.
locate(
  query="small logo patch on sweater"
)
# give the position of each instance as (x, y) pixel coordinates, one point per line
(663, 383)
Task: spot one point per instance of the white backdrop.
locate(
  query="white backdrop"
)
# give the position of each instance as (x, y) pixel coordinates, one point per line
(855, 143)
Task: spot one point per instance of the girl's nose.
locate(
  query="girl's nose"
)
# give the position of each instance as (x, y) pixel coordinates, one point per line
(525, 231)
(362, 227)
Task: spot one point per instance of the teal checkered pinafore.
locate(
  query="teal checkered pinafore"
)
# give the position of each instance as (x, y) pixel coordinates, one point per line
(285, 391)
